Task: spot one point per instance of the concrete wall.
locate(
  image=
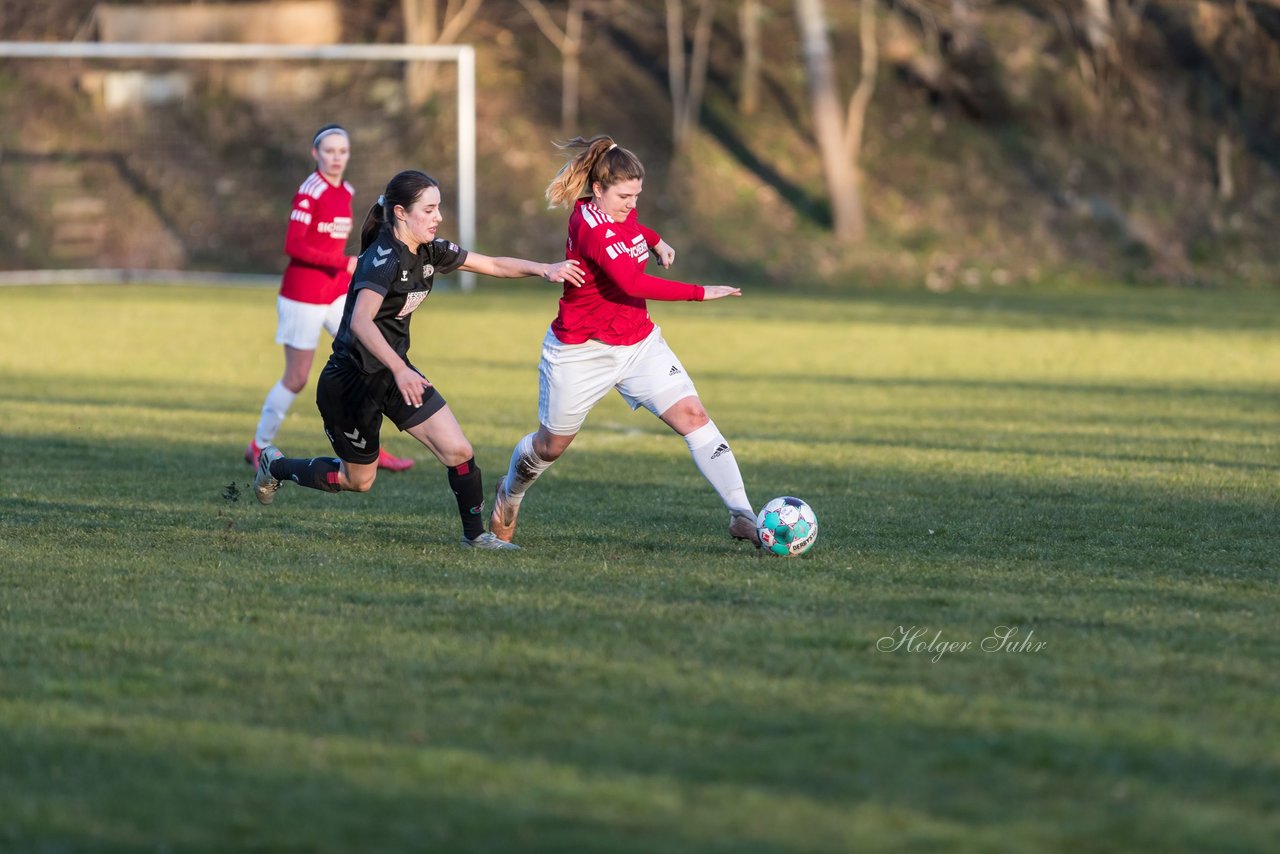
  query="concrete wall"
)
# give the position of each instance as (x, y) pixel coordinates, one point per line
(296, 22)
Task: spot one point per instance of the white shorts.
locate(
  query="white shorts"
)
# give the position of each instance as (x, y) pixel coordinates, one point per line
(301, 322)
(573, 377)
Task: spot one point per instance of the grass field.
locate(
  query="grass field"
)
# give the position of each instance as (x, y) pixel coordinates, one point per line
(183, 671)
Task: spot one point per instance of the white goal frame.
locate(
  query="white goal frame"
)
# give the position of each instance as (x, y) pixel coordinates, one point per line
(463, 55)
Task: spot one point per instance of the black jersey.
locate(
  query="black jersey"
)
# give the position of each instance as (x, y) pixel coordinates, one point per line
(404, 279)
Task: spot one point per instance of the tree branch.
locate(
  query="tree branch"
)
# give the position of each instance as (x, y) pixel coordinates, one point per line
(454, 26)
(546, 23)
(856, 116)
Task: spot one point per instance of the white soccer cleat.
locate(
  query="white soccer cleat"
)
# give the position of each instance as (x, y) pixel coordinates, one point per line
(488, 542)
(502, 521)
(264, 485)
(743, 527)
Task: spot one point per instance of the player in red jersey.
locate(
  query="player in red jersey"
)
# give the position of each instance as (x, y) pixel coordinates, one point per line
(314, 289)
(369, 375)
(603, 337)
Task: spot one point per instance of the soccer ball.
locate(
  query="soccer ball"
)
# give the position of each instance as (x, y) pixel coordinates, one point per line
(787, 526)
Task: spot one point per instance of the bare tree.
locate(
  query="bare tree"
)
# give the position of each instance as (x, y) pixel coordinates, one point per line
(963, 30)
(1097, 36)
(1097, 25)
(749, 87)
(687, 88)
(856, 121)
(422, 25)
(1226, 183)
(1106, 29)
(839, 133)
(569, 42)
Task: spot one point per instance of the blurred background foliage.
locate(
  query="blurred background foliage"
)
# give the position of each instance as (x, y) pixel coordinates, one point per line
(1004, 143)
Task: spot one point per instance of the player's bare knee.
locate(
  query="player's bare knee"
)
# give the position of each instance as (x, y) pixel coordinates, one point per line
(456, 455)
(549, 446)
(698, 418)
(687, 415)
(360, 484)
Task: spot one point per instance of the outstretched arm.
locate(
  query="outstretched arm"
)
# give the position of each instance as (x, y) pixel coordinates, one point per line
(634, 282)
(514, 268)
(710, 292)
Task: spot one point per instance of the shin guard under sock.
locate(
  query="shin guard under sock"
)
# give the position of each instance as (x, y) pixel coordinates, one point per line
(464, 480)
(320, 473)
(713, 458)
(274, 409)
(525, 467)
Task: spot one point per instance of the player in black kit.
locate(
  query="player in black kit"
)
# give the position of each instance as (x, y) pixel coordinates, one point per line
(369, 374)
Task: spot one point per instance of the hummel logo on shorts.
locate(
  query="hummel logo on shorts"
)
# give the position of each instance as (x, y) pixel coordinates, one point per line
(674, 370)
(723, 449)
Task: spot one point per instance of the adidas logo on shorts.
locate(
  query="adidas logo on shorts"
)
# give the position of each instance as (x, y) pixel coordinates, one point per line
(674, 370)
(723, 449)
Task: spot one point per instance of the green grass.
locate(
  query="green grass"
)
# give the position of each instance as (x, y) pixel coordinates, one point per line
(182, 671)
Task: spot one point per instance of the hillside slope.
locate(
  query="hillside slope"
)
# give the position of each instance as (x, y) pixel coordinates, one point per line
(998, 151)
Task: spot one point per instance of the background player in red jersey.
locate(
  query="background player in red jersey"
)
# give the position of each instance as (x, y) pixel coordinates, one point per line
(369, 374)
(314, 288)
(603, 337)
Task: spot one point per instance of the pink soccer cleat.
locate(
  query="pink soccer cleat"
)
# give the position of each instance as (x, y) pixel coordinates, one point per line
(391, 463)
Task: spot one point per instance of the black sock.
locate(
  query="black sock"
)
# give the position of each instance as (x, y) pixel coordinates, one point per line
(464, 480)
(319, 473)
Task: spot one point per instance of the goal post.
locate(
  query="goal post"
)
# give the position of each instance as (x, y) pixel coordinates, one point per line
(462, 55)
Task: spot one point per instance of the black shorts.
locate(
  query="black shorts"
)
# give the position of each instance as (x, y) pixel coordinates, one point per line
(352, 404)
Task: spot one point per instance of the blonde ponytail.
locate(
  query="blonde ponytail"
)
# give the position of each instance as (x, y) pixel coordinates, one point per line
(598, 160)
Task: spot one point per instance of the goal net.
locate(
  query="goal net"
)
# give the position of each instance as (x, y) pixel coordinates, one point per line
(182, 159)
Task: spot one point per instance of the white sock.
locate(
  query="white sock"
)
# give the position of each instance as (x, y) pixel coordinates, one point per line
(524, 469)
(713, 458)
(274, 409)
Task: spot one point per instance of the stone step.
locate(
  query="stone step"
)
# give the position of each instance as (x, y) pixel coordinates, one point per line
(80, 232)
(82, 207)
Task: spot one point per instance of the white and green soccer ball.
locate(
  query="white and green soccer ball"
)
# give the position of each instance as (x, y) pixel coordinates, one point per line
(787, 526)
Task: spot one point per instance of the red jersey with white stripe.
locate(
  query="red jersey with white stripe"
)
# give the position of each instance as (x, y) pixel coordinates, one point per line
(316, 242)
(610, 305)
